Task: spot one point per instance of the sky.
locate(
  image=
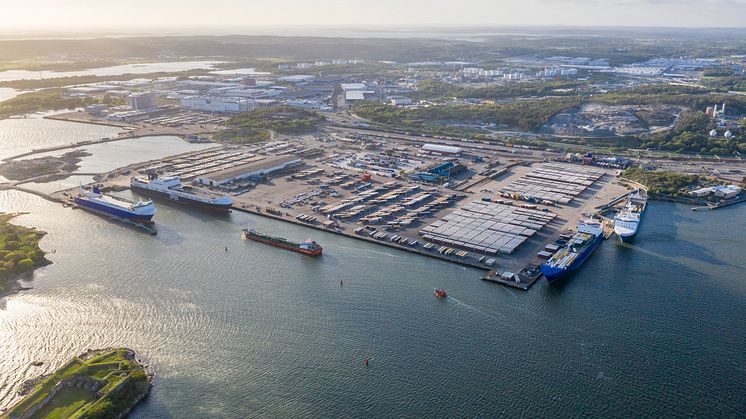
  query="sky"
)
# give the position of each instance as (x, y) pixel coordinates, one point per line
(248, 15)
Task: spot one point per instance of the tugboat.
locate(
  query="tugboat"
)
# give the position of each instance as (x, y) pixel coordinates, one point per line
(307, 247)
(441, 293)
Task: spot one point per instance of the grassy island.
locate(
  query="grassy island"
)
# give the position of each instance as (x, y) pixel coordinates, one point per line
(40, 101)
(19, 251)
(105, 383)
(254, 126)
(662, 182)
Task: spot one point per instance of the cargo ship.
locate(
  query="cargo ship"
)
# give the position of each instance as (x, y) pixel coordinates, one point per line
(571, 256)
(95, 201)
(627, 221)
(170, 187)
(307, 247)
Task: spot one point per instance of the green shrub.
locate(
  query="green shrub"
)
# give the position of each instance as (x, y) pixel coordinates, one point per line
(102, 409)
(25, 264)
(15, 257)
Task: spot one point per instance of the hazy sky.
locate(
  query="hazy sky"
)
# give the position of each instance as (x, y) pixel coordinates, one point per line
(135, 15)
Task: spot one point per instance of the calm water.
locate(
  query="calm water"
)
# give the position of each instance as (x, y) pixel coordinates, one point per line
(21, 135)
(654, 328)
(109, 156)
(8, 93)
(117, 70)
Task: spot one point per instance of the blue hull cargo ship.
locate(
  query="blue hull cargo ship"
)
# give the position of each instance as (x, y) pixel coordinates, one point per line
(577, 249)
(100, 203)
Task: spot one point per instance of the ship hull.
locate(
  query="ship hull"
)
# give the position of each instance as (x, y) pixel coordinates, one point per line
(121, 213)
(182, 200)
(626, 237)
(627, 234)
(553, 274)
(283, 246)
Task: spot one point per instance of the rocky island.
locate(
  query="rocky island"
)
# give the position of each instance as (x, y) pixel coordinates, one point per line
(19, 252)
(43, 169)
(105, 383)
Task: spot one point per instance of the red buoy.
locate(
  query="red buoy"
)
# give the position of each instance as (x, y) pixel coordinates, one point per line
(366, 362)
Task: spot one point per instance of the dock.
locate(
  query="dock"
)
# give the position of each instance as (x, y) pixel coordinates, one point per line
(721, 204)
(522, 280)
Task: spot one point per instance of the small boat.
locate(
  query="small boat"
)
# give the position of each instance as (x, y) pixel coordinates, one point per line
(441, 293)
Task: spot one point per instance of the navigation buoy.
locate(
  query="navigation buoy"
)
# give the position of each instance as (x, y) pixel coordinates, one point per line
(366, 362)
(341, 283)
(226, 248)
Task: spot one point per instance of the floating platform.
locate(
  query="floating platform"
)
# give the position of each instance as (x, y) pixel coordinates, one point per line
(522, 280)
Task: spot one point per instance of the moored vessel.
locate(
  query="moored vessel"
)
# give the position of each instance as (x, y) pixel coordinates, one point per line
(306, 247)
(577, 249)
(627, 221)
(171, 188)
(96, 201)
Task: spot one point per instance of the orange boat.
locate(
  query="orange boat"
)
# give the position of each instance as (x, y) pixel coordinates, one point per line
(441, 293)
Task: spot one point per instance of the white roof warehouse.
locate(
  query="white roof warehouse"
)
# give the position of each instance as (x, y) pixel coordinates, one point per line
(256, 168)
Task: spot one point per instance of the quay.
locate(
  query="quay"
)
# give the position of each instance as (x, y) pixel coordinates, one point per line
(721, 204)
(486, 208)
(463, 262)
(522, 280)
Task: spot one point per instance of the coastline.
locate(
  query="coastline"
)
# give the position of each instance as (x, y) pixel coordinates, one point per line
(11, 284)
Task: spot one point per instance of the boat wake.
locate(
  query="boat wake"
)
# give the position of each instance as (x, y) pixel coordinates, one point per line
(368, 251)
(476, 310)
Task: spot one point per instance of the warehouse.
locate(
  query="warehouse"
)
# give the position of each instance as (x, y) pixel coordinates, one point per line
(217, 104)
(253, 169)
(441, 149)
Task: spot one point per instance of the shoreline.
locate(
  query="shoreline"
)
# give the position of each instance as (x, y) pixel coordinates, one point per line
(12, 283)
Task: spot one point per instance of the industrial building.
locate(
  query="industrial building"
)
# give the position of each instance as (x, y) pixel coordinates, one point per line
(140, 101)
(249, 170)
(720, 191)
(357, 91)
(217, 104)
(441, 149)
(439, 172)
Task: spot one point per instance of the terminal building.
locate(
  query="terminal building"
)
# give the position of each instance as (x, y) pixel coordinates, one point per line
(255, 169)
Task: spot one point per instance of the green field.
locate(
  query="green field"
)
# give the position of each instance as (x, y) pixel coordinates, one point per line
(65, 403)
(255, 126)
